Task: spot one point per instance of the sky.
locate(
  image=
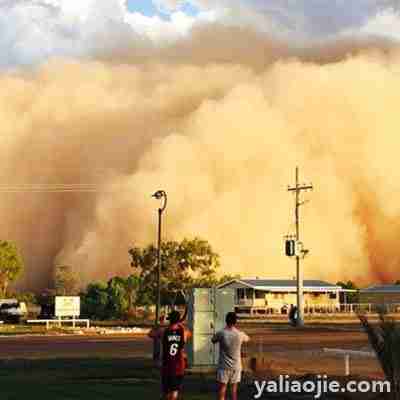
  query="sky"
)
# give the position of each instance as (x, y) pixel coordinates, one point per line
(150, 8)
(230, 118)
(144, 7)
(31, 31)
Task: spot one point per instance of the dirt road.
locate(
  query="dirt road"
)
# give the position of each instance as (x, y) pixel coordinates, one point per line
(267, 338)
(74, 346)
(287, 350)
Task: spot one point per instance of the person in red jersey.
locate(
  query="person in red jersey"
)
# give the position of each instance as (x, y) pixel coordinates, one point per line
(174, 360)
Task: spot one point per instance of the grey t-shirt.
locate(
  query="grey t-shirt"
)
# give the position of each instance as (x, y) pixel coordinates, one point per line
(230, 344)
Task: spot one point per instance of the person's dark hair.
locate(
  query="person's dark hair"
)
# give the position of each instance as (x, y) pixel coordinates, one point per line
(174, 317)
(231, 318)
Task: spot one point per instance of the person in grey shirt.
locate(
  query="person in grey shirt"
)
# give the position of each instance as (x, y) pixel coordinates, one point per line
(229, 368)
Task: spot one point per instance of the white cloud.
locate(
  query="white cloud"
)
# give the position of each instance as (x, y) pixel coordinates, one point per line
(158, 29)
(304, 19)
(386, 23)
(32, 30)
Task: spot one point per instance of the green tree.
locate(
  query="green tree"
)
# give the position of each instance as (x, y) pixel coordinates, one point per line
(351, 297)
(95, 300)
(27, 297)
(215, 280)
(65, 281)
(185, 264)
(227, 278)
(112, 300)
(132, 287)
(117, 298)
(11, 265)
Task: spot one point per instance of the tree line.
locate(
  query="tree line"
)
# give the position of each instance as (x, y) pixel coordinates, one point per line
(184, 264)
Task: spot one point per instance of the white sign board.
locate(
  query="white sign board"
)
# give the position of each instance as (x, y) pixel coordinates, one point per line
(68, 306)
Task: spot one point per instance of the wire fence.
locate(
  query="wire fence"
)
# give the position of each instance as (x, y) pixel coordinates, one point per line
(319, 309)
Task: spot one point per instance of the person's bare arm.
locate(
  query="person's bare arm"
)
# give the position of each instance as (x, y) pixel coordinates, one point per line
(245, 338)
(185, 313)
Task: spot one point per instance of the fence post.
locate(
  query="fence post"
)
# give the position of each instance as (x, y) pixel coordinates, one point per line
(347, 364)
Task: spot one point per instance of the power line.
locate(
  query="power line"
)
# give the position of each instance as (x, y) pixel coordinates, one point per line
(57, 188)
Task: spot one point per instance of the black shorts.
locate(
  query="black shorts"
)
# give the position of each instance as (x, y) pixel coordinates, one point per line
(171, 383)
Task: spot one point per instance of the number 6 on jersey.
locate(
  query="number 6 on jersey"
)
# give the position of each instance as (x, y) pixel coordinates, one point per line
(173, 350)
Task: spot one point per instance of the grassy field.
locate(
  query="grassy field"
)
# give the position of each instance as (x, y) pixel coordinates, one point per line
(89, 391)
(97, 379)
(90, 379)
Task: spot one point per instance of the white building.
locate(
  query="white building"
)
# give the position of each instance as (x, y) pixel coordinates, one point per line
(274, 296)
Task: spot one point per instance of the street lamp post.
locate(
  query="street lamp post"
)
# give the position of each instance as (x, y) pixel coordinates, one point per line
(159, 195)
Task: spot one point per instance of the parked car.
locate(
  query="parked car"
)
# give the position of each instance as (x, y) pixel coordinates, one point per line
(13, 311)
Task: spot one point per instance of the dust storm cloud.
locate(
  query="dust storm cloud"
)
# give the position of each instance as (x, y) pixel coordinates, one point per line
(222, 135)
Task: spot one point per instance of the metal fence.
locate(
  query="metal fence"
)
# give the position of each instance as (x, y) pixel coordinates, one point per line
(369, 308)
(319, 309)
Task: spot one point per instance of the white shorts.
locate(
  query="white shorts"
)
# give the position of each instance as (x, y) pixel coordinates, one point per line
(229, 375)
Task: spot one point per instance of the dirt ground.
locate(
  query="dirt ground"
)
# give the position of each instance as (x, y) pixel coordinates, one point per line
(284, 350)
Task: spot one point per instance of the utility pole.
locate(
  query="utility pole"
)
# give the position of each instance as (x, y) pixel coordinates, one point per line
(158, 305)
(299, 272)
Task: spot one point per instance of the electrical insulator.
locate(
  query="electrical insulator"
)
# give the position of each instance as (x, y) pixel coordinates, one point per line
(290, 247)
(299, 249)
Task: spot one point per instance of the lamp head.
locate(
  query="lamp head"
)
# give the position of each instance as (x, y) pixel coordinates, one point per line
(159, 194)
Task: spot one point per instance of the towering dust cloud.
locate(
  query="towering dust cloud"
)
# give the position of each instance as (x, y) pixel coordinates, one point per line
(221, 130)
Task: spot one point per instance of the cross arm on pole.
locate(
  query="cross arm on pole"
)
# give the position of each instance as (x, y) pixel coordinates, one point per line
(298, 188)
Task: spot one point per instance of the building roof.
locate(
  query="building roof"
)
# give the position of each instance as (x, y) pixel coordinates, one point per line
(283, 284)
(382, 289)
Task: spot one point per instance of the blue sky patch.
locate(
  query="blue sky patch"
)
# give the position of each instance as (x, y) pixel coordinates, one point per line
(147, 7)
(189, 9)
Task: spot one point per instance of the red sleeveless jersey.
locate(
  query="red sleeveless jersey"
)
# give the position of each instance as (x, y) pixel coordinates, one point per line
(173, 351)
